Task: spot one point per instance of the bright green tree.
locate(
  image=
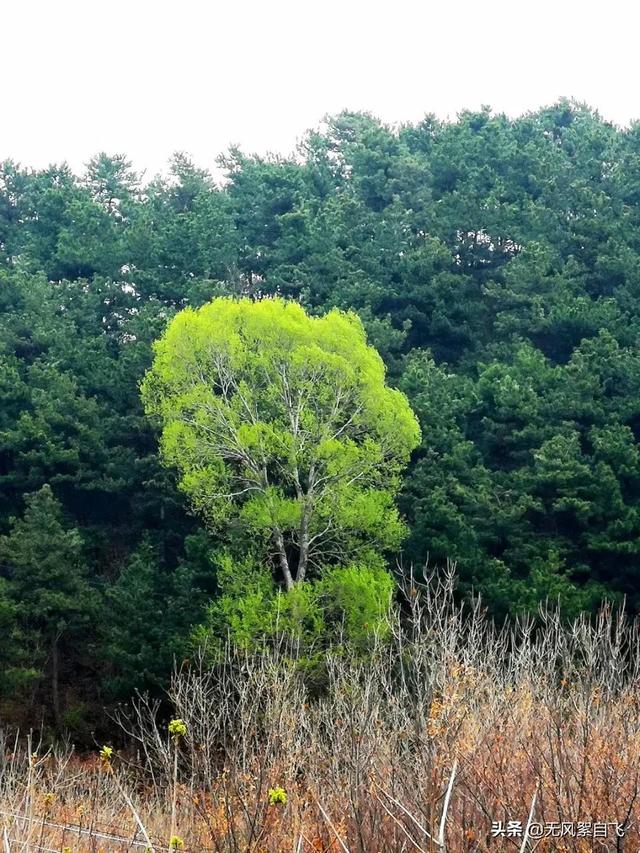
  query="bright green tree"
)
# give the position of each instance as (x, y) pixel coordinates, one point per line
(281, 424)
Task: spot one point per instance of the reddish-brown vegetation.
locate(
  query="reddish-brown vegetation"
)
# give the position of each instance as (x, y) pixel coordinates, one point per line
(365, 759)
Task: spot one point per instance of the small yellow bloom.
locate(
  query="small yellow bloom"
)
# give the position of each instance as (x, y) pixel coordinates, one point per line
(277, 795)
(177, 729)
(176, 842)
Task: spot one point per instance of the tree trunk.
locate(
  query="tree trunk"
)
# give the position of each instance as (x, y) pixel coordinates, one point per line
(303, 559)
(55, 686)
(282, 558)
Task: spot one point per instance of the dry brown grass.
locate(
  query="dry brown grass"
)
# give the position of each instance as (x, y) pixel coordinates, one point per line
(366, 763)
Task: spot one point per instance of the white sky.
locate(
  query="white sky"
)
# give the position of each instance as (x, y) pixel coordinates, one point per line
(149, 77)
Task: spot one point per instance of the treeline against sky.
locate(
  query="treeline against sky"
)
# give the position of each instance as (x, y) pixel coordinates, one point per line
(495, 264)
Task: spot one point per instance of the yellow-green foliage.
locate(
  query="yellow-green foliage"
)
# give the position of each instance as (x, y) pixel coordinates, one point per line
(350, 600)
(357, 596)
(270, 414)
(177, 729)
(277, 796)
(245, 607)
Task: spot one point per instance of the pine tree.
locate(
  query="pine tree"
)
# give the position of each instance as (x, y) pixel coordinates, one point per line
(48, 586)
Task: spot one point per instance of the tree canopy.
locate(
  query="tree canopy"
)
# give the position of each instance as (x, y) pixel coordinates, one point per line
(282, 424)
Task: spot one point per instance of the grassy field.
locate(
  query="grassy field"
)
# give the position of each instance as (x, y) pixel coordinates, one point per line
(433, 739)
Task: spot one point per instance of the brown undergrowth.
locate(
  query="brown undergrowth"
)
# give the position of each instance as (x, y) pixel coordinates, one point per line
(422, 743)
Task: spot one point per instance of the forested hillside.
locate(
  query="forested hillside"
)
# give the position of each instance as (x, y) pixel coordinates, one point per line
(495, 265)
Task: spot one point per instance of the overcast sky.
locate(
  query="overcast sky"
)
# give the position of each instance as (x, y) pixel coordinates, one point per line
(147, 78)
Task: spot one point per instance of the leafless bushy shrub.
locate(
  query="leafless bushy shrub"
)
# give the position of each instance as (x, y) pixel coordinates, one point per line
(445, 725)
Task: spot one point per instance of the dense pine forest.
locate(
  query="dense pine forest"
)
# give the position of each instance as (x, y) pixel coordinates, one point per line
(495, 265)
